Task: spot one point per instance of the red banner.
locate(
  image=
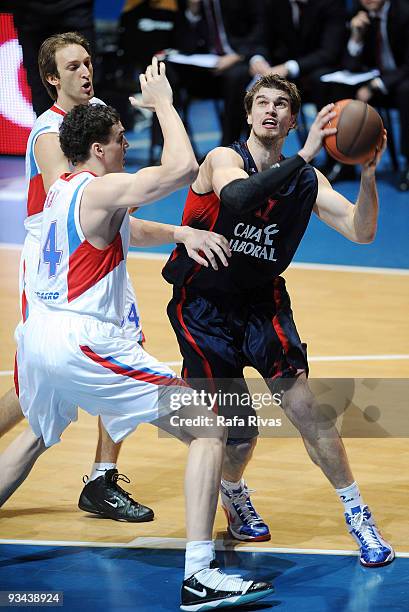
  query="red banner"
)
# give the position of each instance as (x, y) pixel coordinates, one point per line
(16, 111)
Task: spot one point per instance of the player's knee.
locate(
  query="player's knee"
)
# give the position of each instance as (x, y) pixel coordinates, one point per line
(215, 434)
(200, 425)
(239, 451)
(298, 405)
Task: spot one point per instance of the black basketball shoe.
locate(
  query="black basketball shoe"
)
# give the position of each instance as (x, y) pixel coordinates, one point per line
(210, 588)
(105, 497)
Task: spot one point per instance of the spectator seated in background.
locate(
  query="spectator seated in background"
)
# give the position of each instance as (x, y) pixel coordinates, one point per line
(146, 27)
(304, 40)
(231, 29)
(379, 39)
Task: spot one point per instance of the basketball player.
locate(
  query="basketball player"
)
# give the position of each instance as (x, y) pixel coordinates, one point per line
(66, 71)
(72, 350)
(262, 205)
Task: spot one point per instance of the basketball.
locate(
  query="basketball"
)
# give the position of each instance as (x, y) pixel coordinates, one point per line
(360, 132)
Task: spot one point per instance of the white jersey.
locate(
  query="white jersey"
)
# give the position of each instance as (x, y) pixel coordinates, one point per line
(47, 123)
(73, 275)
(73, 350)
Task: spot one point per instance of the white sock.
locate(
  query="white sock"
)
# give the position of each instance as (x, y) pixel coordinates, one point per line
(99, 469)
(350, 497)
(198, 556)
(232, 486)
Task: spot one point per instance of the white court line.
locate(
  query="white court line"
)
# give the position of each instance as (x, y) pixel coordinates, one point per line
(65, 543)
(295, 265)
(318, 358)
(180, 543)
(10, 195)
(359, 358)
(5, 246)
(346, 268)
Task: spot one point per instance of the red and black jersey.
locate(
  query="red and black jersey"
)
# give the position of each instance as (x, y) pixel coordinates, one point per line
(263, 242)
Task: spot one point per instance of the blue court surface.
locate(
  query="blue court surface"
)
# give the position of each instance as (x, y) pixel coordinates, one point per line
(113, 579)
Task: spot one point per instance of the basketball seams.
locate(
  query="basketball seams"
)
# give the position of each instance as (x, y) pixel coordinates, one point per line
(360, 124)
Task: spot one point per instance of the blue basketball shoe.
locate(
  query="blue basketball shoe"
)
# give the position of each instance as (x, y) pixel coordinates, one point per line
(375, 552)
(244, 522)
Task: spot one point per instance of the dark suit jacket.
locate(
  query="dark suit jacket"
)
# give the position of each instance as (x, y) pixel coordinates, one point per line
(320, 40)
(243, 22)
(398, 35)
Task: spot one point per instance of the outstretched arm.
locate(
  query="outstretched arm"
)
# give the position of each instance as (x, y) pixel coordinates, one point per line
(178, 164)
(356, 222)
(199, 243)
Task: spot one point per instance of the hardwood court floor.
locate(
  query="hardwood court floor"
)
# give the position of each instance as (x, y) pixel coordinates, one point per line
(337, 313)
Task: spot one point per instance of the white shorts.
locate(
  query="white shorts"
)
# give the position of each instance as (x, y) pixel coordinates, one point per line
(66, 361)
(28, 270)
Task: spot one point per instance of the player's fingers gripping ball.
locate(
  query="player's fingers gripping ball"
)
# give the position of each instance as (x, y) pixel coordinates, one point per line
(359, 134)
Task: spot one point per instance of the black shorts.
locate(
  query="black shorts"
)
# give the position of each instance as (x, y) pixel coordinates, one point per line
(218, 336)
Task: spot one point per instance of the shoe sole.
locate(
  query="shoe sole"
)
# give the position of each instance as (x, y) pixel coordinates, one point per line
(228, 602)
(145, 519)
(246, 538)
(387, 562)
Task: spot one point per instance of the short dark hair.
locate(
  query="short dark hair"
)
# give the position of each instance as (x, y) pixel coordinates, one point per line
(84, 125)
(274, 81)
(46, 56)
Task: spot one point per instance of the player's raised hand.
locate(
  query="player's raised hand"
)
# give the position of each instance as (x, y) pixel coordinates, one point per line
(203, 246)
(318, 130)
(155, 87)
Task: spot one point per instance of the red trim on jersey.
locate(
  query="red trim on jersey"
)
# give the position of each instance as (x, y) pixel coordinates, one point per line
(24, 304)
(189, 337)
(88, 265)
(276, 322)
(192, 342)
(147, 377)
(36, 195)
(174, 254)
(58, 110)
(200, 211)
(201, 208)
(16, 386)
(68, 176)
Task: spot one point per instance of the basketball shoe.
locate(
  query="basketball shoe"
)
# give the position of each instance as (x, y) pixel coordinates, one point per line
(105, 497)
(374, 551)
(211, 588)
(244, 522)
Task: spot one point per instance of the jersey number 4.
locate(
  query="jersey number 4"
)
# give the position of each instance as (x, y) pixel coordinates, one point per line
(51, 255)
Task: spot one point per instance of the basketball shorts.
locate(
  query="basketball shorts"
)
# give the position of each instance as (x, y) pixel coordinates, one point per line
(219, 335)
(28, 271)
(64, 361)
